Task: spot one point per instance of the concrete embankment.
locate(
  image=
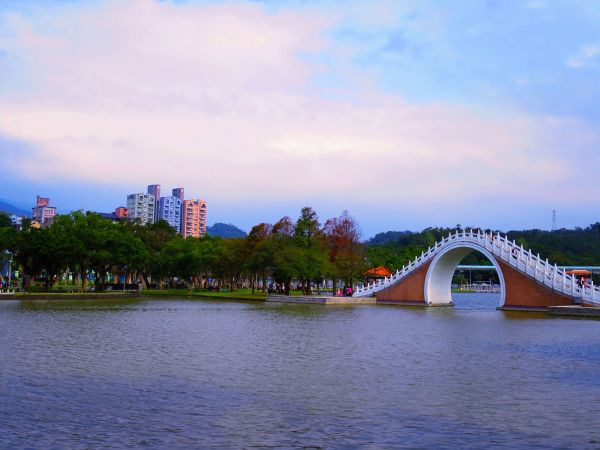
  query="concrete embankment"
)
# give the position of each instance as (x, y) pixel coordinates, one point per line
(68, 295)
(574, 311)
(318, 300)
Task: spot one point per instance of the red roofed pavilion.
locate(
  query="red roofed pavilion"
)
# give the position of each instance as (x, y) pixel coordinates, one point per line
(376, 273)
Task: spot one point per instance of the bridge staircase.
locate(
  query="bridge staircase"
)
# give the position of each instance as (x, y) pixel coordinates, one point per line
(524, 261)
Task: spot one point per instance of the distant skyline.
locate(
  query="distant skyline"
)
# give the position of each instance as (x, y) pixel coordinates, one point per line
(406, 113)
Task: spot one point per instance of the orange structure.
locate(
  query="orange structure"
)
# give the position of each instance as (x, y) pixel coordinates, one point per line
(582, 275)
(193, 218)
(121, 212)
(376, 273)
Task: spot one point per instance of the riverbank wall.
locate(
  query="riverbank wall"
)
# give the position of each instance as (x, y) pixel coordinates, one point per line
(318, 300)
(68, 295)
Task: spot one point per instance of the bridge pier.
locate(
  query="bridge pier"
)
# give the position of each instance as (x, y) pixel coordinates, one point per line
(410, 291)
(523, 291)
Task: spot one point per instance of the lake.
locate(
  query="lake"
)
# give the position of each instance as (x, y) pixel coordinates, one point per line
(154, 373)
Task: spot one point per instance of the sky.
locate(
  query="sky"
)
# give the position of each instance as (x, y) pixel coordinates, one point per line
(408, 114)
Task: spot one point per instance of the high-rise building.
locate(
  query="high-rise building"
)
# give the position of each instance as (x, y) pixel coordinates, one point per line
(178, 193)
(202, 225)
(142, 206)
(169, 210)
(42, 211)
(193, 222)
(154, 189)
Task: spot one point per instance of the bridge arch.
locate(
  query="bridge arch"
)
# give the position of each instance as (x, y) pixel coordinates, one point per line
(438, 281)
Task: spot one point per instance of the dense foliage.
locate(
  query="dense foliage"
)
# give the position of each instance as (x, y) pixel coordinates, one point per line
(301, 253)
(155, 255)
(578, 247)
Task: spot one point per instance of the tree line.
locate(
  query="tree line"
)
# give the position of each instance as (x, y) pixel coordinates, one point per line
(304, 251)
(565, 247)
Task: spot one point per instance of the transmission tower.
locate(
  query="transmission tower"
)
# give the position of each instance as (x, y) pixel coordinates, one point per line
(553, 220)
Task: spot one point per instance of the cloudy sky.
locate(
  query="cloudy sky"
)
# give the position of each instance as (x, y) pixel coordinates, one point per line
(408, 113)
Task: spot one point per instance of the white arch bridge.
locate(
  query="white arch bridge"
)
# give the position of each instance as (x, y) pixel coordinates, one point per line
(443, 258)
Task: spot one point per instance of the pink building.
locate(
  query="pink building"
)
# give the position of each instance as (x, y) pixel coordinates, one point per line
(121, 212)
(43, 212)
(193, 218)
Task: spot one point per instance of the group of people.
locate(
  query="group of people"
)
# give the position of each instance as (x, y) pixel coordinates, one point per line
(347, 292)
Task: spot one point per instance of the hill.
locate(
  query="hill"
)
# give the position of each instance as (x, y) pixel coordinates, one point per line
(225, 231)
(580, 246)
(12, 209)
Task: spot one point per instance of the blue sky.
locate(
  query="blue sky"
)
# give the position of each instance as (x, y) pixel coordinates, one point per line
(406, 113)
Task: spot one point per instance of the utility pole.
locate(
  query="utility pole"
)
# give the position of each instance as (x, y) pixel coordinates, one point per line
(9, 271)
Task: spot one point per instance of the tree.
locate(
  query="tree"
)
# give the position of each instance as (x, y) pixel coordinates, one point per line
(312, 261)
(155, 237)
(230, 260)
(5, 221)
(283, 227)
(255, 261)
(346, 254)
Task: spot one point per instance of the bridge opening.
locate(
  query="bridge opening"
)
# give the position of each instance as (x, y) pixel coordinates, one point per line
(464, 273)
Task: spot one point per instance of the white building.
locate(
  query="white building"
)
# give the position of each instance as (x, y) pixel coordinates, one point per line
(142, 207)
(16, 221)
(169, 210)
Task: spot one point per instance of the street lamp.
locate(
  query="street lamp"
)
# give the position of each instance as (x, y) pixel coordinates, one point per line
(9, 270)
(125, 279)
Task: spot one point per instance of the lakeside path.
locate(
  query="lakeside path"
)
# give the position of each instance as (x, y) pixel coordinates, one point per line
(68, 295)
(242, 294)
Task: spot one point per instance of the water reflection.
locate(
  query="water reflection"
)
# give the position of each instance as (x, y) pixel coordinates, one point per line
(195, 374)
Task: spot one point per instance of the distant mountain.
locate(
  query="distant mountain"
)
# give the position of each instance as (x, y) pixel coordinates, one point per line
(12, 209)
(389, 237)
(225, 231)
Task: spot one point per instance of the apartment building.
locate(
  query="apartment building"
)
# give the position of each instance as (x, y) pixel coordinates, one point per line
(42, 212)
(169, 210)
(188, 217)
(154, 189)
(142, 207)
(193, 222)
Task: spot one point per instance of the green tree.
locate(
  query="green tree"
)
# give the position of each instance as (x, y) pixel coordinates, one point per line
(5, 221)
(229, 263)
(312, 262)
(256, 264)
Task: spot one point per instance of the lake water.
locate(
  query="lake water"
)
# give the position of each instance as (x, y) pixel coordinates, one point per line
(195, 374)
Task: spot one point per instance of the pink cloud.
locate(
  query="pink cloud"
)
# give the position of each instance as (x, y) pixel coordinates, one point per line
(219, 99)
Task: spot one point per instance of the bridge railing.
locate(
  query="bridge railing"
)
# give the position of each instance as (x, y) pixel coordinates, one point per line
(508, 251)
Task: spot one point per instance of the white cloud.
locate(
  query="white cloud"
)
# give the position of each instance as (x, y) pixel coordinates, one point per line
(584, 57)
(219, 99)
(536, 4)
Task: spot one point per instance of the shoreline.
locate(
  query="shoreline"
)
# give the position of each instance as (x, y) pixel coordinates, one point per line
(68, 295)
